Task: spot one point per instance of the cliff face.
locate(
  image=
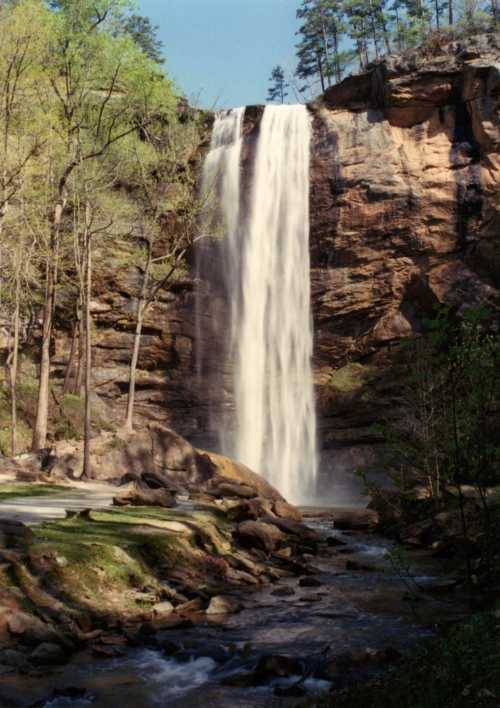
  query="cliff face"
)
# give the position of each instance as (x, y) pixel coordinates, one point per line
(404, 214)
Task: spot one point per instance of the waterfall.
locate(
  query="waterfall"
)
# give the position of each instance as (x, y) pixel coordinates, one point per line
(268, 279)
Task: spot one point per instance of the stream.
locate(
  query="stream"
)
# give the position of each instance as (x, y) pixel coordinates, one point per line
(356, 605)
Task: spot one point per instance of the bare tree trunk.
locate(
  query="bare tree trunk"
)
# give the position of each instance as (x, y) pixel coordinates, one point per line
(42, 411)
(141, 308)
(87, 470)
(75, 340)
(436, 6)
(14, 365)
(321, 75)
(450, 12)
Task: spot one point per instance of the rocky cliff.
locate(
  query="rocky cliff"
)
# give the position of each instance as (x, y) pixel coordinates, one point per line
(405, 185)
(404, 215)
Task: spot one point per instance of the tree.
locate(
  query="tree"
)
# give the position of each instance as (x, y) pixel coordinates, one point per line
(145, 35)
(278, 90)
(447, 434)
(99, 89)
(163, 185)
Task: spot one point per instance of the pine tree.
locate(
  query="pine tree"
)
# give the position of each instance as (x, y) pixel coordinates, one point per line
(318, 51)
(278, 90)
(145, 35)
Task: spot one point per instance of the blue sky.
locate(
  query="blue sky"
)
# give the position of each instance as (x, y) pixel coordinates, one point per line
(221, 52)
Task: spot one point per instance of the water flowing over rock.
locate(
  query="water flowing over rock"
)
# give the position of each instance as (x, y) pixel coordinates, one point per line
(267, 278)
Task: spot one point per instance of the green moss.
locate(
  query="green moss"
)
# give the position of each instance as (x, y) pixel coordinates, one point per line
(350, 377)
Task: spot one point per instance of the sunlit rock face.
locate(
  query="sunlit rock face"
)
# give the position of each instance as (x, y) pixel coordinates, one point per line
(404, 209)
(404, 214)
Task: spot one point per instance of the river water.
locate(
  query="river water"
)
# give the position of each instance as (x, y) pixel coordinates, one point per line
(352, 611)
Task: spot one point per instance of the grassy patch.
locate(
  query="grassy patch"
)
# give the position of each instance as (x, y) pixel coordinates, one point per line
(106, 561)
(14, 490)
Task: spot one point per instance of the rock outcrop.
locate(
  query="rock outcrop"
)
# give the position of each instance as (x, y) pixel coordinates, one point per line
(404, 215)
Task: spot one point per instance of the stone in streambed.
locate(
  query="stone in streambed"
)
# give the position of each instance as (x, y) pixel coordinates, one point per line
(162, 609)
(355, 519)
(310, 582)
(283, 592)
(223, 605)
(48, 653)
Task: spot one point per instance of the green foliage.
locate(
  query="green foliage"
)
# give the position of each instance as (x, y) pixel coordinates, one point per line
(449, 431)
(278, 90)
(335, 33)
(145, 36)
(461, 670)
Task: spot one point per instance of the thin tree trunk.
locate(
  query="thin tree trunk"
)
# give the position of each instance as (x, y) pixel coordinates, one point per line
(87, 470)
(494, 10)
(42, 412)
(141, 308)
(338, 72)
(321, 75)
(80, 371)
(450, 12)
(75, 339)
(326, 49)
(436, 5)
(14, 365)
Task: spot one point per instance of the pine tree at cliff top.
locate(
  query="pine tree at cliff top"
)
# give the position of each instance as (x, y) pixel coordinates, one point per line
(278, 89)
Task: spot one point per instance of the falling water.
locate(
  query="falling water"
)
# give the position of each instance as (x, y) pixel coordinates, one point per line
(221, 174)
(220, 194)
(268, 279)
(274, 392)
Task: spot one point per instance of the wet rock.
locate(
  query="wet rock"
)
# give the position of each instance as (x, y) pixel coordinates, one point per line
(195, 605)
(356, 565)
(294, 528)
(222, 605)
(277, 665)
(260, 535)
(334, 541)
(162, 609)
(170, 646)
(13, 658)
(296, 690)
(315, 597)
(29, 627)
(107, 651)
(283, 592)
(355, 519)
(48, 653)
(310, 582)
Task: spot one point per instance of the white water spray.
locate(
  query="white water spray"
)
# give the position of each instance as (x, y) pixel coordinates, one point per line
(274, 391)
(268, 278)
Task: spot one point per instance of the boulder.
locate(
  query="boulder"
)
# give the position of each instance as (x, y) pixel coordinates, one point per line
(354, 519)
(223, 605)
(162, 609)
(146, 497)
(256, 534)
(48, 653)
(235, 471)
(287, 511)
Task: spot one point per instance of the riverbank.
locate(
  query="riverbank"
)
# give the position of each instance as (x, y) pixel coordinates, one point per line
(149, 605)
